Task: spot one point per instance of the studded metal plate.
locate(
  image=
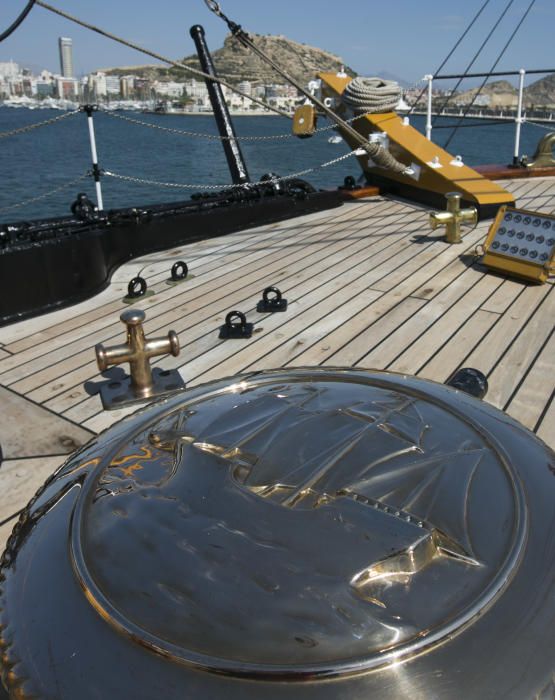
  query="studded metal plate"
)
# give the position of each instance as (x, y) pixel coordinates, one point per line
(525, 236)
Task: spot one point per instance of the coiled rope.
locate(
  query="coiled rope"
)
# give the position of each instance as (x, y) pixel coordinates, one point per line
(381, 157)
(371, 95)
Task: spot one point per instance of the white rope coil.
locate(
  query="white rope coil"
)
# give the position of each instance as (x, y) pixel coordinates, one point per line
(371, 95)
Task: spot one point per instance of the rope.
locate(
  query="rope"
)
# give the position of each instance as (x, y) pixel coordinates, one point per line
(158, 57)
(24, 203)
(371, 95)
(379, 155)
(217, 137)
(474, 58)
(247, 185)
(463, 35)
(461, 119)
(541, 126)
(30, 127)
(14, 25)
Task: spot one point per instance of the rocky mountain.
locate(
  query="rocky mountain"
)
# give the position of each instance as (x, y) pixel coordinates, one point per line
(541, 93)
(236, 63)
(501, 93)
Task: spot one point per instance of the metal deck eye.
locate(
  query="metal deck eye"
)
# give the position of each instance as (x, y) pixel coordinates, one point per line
(136, 288)
(272, 300)
(236, 326)
(179, 271)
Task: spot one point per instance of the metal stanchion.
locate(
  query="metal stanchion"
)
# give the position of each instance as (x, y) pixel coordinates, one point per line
(89, 109)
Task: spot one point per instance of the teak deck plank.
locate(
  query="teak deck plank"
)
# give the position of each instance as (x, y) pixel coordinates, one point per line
(207, 324)
(368, 284)
(535, 391)
(164, 311)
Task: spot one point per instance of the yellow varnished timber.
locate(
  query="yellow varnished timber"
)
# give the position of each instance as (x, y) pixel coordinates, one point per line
(410, 147)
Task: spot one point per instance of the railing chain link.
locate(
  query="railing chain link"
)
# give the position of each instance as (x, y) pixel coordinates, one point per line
(64, 186)
(245, 186)
(30, 127)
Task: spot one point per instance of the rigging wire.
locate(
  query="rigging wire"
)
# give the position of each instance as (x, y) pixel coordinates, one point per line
(474, 58)
(457, 125)
(455, 47)
(381, 156)
(157, 56)
(15, 24)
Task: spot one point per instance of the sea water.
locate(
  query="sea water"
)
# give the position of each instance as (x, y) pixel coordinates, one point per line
(38, 161)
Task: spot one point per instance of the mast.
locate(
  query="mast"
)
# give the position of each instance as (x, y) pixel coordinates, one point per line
(233, 154)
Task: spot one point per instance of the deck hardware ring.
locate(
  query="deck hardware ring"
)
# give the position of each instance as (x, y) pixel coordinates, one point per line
(272, 300)
(179, 271)
(236, 326)
(136, 288)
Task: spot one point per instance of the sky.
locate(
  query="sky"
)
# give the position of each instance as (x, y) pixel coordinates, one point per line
(407, 38)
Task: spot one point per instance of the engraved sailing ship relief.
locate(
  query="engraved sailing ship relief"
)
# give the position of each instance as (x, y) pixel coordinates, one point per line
(313, 517)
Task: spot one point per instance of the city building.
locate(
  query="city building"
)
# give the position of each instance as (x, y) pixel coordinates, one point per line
(66, 57)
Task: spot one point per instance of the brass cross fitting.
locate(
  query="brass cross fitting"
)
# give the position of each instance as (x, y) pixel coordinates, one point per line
(137, 350)
(453, 218)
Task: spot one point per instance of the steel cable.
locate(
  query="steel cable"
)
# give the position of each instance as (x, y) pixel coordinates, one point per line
(499, 57)
(157, 56)
(15, 24)
(455, 47)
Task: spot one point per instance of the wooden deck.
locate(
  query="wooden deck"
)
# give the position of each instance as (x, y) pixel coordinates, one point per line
(368, 284)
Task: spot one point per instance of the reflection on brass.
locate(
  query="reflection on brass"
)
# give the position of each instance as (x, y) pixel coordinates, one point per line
(306, 533)
(137, 351)
(453, 218)
(543, 157)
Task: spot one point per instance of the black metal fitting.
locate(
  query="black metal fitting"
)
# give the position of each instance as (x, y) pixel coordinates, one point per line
(5, 237)
(136, 288)
(469, 380)
(179, 271)
(271, 301)
(349, 183)
(89, 109)
(82, 208)
(236, 326)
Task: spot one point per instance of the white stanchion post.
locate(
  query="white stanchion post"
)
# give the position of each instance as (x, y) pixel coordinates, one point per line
(89, 109)
(430, 79)
(519, 120)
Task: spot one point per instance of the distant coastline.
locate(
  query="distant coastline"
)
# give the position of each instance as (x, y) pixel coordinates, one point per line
(123, 105)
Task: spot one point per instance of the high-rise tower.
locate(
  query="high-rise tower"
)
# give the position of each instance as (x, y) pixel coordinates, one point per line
(66, 56)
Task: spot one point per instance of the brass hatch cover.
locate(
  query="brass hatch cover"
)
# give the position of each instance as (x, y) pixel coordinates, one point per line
(307, 533)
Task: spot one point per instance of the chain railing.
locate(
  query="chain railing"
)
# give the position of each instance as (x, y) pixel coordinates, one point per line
(36, 125)
(217, 137)
(244, 186)
(44, 195)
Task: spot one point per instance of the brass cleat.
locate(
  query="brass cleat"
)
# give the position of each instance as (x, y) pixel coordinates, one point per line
(143, 384)
(453, 218)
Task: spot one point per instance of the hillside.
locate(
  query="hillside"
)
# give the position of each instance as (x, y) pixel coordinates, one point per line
(501, 93)
(541, 93)
(497, 94)
(236, 63)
